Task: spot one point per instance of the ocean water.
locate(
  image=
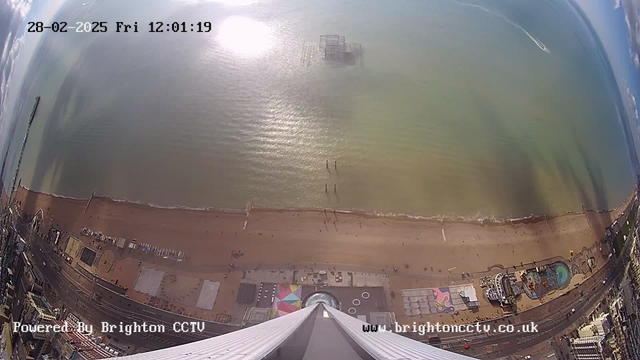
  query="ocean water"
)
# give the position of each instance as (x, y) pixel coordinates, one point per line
(496, 109)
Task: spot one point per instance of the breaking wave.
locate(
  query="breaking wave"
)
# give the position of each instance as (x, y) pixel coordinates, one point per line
(476, 219)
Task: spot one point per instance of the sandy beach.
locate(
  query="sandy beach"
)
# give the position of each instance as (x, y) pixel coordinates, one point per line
(413, 252)
(314, 236)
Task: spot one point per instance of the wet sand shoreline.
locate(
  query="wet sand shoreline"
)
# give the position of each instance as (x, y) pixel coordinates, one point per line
(450, 219)
(286, 236)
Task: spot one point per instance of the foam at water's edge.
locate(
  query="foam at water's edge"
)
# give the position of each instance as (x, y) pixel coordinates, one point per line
(478, 219)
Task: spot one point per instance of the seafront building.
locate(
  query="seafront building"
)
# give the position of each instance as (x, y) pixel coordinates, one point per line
(629, 288)
(613, 331)
(502, 289)
(24, 302)
(594, 340)
(599, 326)
(74, 344)
(589, 348)
(44, 259)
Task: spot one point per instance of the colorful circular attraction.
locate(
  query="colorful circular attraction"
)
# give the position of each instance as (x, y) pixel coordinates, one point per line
(562, 274)
(538, 283)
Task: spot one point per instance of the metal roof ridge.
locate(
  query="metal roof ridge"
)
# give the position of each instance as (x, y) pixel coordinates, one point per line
(386, 345)
(255, 342)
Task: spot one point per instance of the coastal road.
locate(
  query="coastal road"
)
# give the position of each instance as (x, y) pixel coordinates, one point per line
(79, 301)
(115, 308)
(551, 318)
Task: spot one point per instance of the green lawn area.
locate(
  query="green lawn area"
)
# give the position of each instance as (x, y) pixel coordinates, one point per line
(618, 242)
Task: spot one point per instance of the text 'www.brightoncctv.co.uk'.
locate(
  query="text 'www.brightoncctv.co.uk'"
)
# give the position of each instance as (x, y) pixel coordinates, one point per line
(429, 328)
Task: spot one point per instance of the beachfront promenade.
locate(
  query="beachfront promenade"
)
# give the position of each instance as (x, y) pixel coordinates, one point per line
(410, 253)
(115, 308)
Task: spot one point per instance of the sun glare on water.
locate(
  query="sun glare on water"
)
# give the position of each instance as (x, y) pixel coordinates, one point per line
(244, 36)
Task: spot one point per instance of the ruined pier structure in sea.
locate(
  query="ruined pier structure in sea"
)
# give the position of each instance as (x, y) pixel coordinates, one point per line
(335, 49)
